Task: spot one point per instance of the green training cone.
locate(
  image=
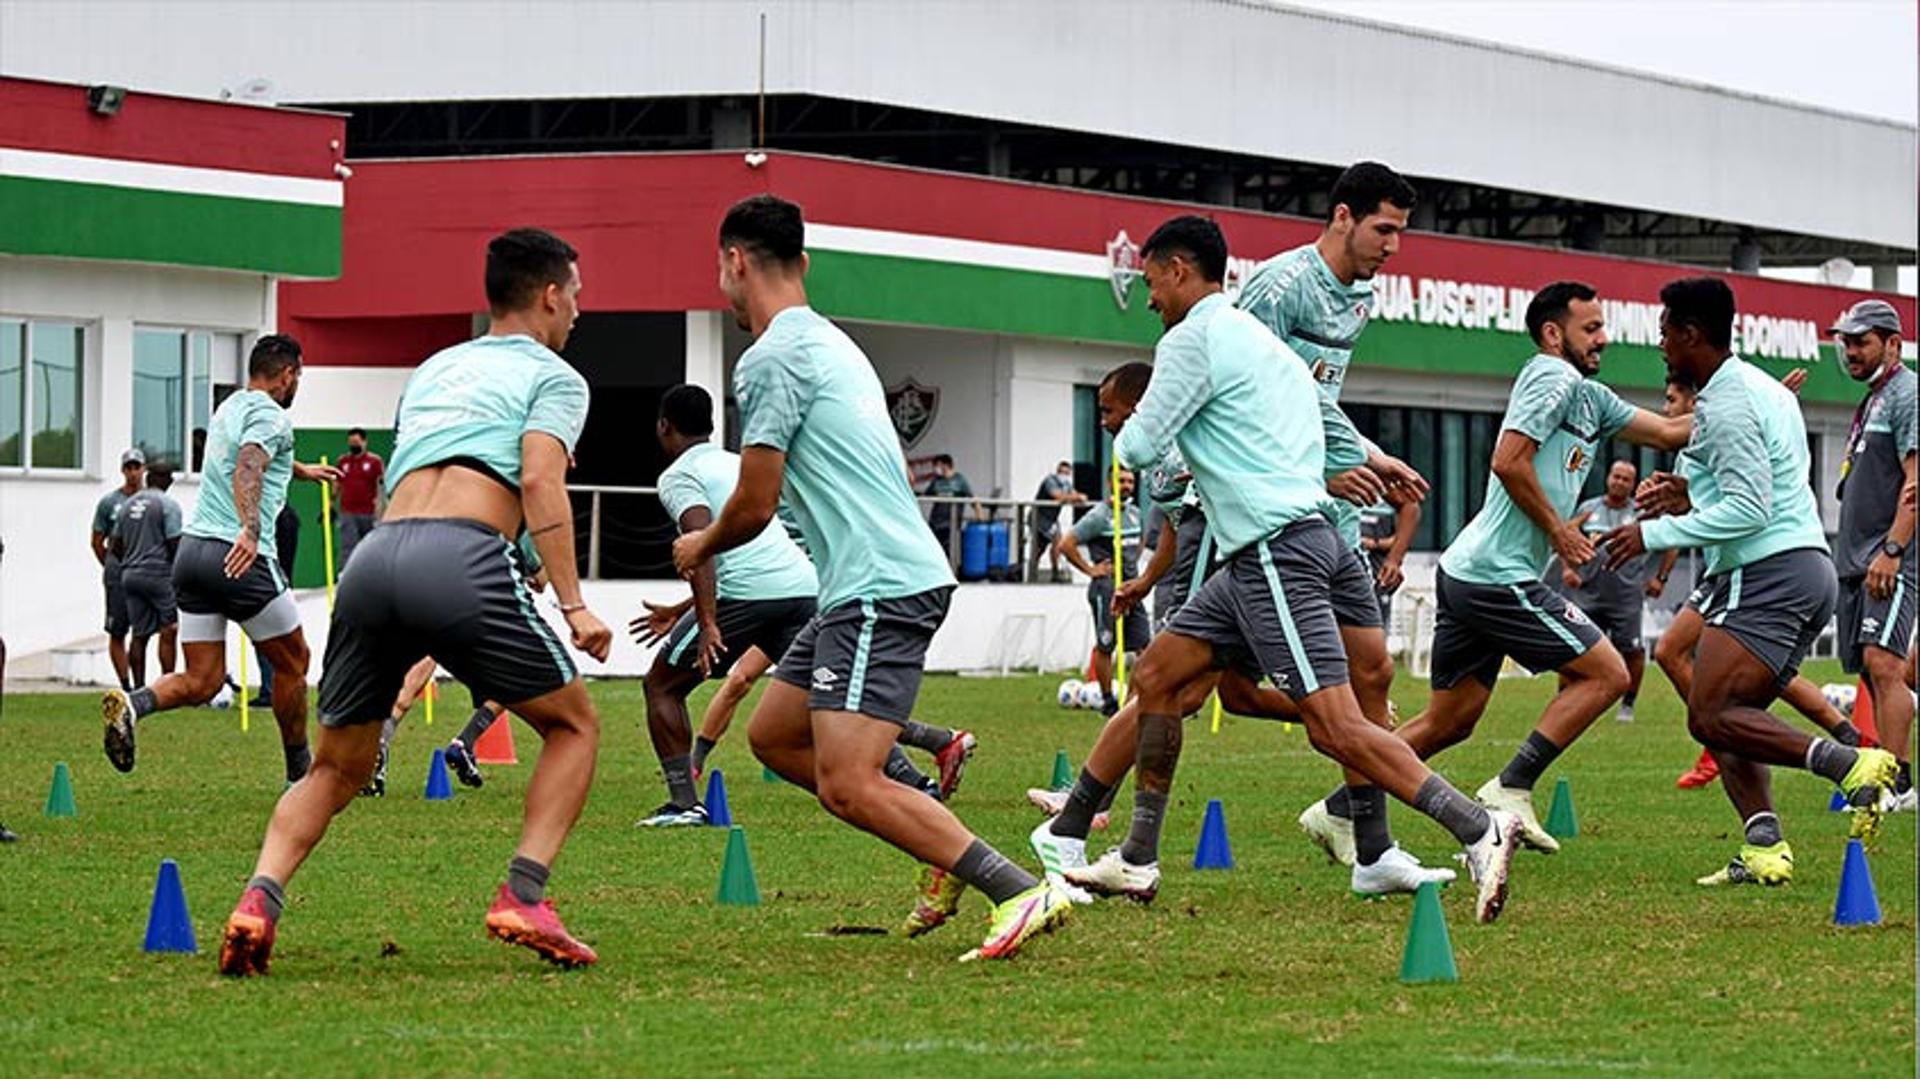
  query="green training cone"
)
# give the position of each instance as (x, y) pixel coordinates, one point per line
(60, 794)
(1560, 819)
(1429, 954)
(737, 886)
(768, 775)
(1062, 771)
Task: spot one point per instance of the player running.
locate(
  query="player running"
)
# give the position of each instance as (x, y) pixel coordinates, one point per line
(484, 436)
(1770, 582)
(227, 566)
(816, 430)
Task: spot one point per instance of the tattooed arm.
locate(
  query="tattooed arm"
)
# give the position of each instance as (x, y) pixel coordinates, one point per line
(249, 474)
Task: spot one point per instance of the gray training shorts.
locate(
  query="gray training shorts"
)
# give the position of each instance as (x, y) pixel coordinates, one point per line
(1105, 635)
(1269, 612)
(1480, 625)
(767, 624)
(866, 655)
(1356, 603)
(208, 599)
(1775, 607)
(1880, 623)
(150, 603)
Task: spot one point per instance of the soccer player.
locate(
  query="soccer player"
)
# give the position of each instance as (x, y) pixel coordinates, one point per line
(485, 432)
(1094, 532)
(1244, 414)
(358, 493)
(146, 533)
(1875, 558)
(815, 428)
(1614, 599)
(1492, 603)
(226, 569)
(1770, 582)
(133, 465)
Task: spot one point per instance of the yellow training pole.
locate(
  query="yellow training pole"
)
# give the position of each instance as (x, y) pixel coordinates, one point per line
(1119, 624)
(244, 692)
(430, 698)
(1216, 713)
(326, 531)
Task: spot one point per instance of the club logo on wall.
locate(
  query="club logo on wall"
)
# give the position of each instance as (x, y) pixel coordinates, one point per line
(912, 408)
(1123, 266)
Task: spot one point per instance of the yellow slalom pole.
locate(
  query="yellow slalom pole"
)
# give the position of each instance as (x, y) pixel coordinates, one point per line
(326, 531)
(1119, 577)
(244, 692)
(430, 698)
(1216, 713)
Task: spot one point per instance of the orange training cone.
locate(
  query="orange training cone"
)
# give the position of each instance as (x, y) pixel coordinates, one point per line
(1863, 716)
(495, 745)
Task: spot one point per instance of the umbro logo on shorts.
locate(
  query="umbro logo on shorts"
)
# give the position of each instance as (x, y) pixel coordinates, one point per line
(824, 678)
(1279, 679)
(1575, 615)
(1869, 626)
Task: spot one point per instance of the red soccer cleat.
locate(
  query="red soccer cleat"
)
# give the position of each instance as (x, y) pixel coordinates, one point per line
(953, 761)
(248, 942)
(1704, 771)
(536, 926)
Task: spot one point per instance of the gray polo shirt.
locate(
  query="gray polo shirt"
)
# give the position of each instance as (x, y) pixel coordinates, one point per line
(1870, 477)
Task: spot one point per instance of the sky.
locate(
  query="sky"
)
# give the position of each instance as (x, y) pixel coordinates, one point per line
(1856, 56)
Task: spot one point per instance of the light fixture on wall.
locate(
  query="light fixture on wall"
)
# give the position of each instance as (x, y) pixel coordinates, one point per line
(106, 100)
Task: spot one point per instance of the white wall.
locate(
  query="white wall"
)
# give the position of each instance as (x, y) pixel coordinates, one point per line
(349, 396)
(967, 369)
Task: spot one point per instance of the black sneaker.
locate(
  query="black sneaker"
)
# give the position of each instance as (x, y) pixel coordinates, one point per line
(7, 835)
(377, 783)
(462, 763)
(673, 816)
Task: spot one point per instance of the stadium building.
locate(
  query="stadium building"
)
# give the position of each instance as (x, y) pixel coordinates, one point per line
(975, 193)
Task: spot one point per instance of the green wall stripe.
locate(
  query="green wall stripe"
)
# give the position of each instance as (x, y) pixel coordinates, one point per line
(54, 217)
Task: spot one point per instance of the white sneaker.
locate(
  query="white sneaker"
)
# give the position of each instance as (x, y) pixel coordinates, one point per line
(1489, 859)
(1112, 875)
(1624, 713)
(1394, 872)
(1057, 854)
(1897, 803)
(1335, 836)
(1518, 802)
(1052, 802)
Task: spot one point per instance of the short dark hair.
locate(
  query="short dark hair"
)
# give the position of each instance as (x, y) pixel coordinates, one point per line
(767, 227)
(1365, 185)
(159, 475)
(1705, 303)
(361, 431)
(943, 459)
(1680, 382)
(688, 409)
(273, 354)
(1195, 237)
(1551, 304)
(1129, 380)
(521, 263)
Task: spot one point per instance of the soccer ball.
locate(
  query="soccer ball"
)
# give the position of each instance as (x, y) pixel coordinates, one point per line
(1069, 694)
(1090, 695)
(1841, 696)
(222, 699)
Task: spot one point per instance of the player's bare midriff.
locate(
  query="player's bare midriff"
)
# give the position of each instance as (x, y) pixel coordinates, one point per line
(450, 490)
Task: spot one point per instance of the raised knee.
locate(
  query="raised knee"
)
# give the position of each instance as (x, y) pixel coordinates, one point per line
(839, 793)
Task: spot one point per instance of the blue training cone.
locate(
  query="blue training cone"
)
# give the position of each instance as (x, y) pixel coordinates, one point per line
(1856, 904)
(438, 788)
(168, 927)
(1838, 802)
(1213, 851)
(718, 813)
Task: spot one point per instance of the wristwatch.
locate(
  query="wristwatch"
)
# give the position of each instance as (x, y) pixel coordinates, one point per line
(1892, 549)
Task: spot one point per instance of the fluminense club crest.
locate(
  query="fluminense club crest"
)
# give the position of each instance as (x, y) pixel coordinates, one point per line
(912, 408)
(1123, 266)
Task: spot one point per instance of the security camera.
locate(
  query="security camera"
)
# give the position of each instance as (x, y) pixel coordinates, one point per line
(341, 170)
(756, 159)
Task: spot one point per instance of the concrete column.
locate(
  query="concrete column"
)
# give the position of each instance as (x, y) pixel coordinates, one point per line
(1886, 278)
(706, 363)
(110, 415)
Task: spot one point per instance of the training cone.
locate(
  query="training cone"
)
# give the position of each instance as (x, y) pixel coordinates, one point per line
(168, 927)
(1429, 954)
(1062, 771)
(1561, 823)
(438, 788)
(718, 813)
(60, 793)
(1838, 802)
(768, 775)
(495, 744)
(1862, 716)
(737, 886)
(1213, 851)
(1856, 904)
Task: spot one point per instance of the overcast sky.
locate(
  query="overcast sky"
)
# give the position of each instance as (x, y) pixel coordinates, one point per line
(1855, 55)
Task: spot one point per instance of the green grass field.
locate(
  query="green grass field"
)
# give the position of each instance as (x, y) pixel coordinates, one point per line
(1609, 959)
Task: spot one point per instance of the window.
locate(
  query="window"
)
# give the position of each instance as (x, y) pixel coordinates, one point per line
(1452, 449)
(41, 387)
(179, 378)
(1089, 441)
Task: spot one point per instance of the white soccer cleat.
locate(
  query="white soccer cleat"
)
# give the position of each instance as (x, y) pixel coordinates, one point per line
(1489, 860)
(1624, 713)
(1057, 854)
(1891, 803)
(1518, 802)
(1334, 835)
(1394, 872)
(1113, 875)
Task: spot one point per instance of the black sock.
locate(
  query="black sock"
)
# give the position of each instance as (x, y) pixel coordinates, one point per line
(921, 736)
(1142, 845)
(988, 870)
(1523, 771)
(1903, 782)
(477, 725)
(1626, 699)
(1457, 813)
(276, 896)
(1106, 800)
(1846, 734)
(1763, 830)
(144, 702)
(702, 745)
(679, 773)
(1371, 838)
(901, 771)
(1337, 804)
(298, 759)
(527, 879)
(1076, 819)
(1830, 759)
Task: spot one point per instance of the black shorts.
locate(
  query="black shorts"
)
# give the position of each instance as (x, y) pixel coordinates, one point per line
(1356, 602)
(767, 624)
(1269, 611)
(208, 599)
(866, 655)
(118, 620)
(150, 603)
(1775, 607)
(442, 587)
(1105, 636)
(1480, 625)
(1880, 623)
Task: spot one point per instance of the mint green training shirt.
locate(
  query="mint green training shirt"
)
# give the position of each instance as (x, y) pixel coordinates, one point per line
(769, 566)
(247, 418)
(477, 398)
